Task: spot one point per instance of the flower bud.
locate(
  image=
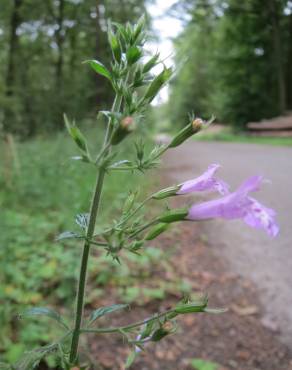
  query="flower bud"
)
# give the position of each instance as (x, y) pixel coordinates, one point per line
(167, 192)
(127, 125)
(157, 230)
(165, 329)
(190, 307)
(192, 128)
(174, 215)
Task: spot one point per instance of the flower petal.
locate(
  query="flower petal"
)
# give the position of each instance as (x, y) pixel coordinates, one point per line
(261, 217)
(206, 181)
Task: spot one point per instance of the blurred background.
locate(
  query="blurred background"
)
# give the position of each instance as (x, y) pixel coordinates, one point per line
(233, 60)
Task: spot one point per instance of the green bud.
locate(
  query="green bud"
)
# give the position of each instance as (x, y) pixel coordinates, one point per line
(157, 230)
(76, 135)
(150, 64)
(166, 329)
(173, 215)
(136, 245)
(157, 84)
(129, 202)
(188, 131)
(114, 44)
(167, 192)
(133, 54)
(127, 125)
(190, 307)
(138, 28)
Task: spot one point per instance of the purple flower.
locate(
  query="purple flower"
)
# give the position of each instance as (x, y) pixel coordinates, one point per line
(238, 205)
(207, 181)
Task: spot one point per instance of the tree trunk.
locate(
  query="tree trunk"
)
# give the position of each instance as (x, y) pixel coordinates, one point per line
(15, 21)
(289, 67)
(278, 54)
(60, 43)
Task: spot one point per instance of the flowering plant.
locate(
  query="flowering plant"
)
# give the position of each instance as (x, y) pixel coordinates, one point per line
(135, 88)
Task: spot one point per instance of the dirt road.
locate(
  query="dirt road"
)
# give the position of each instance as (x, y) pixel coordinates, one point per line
(250, 253)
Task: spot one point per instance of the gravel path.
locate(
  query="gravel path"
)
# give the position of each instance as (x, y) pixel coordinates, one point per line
(250, 253)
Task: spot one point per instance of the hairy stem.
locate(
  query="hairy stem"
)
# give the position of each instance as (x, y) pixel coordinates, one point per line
(127, 327)
(89, 234)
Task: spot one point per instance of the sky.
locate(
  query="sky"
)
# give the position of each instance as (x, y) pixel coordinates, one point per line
(166, 28)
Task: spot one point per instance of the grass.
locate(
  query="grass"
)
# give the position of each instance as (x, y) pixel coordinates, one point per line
(227, 135)
(41, 191)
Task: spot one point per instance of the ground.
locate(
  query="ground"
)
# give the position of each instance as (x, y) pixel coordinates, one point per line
(240, 269)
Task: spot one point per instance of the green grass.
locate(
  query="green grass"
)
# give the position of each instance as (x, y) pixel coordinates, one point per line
(41, 191)
(228, 136)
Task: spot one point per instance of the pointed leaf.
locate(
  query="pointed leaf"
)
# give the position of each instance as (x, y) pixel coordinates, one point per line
(99, 68)
(82, 220)
(96, 314)
(43, 311)
(68, 235)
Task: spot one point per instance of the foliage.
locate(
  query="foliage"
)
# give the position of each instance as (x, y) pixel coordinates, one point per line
(34, 210)
(229, 135)
(43, 44)
(236, 60)
(199, 364)
(132, 227)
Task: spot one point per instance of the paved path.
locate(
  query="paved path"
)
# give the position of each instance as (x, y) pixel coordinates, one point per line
(251, 253)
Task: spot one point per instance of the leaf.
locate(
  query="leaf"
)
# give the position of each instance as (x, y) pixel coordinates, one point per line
(43, 311)
(4, 366)
(82, 220)
(96, 314)
(30, 360)
(68, 235)
(199, 364)
(99, 68)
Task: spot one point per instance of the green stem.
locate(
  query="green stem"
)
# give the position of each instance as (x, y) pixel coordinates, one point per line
(127, 327)
(142, 228)
(89, 234)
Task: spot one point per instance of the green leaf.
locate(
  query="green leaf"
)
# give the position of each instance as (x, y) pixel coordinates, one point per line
(82, 220)
(99, 68)
(30, 360)
(43, 311)
(4, 366)
(96, 314)
(199, 364)
(67, 235)
(133, 54)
